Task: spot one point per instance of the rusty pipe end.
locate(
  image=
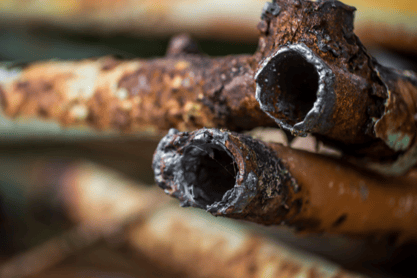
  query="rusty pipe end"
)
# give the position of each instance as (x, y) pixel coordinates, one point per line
(204, 169)
(295, 88)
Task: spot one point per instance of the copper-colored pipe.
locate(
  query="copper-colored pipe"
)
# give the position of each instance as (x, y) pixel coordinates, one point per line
(236, 176)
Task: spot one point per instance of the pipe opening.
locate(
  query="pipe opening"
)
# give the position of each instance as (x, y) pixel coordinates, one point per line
(291, 83)
(209, 172)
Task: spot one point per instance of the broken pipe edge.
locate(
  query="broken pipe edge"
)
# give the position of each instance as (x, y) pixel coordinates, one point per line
(194, 168)
(315, 119)
(175, 157)
(397, 137)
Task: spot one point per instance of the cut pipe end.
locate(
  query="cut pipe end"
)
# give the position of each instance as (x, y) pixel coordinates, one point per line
(295, 88)
(209, 171)
(200, 170)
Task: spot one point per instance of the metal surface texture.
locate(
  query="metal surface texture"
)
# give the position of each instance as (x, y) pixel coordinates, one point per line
(236, 176)
(186, 91)
(312, 74)
(317, 77)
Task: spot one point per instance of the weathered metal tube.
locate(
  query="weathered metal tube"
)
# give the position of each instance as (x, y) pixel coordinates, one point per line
(183, 90)
(235, 176)
(318, 78)
(311, 74)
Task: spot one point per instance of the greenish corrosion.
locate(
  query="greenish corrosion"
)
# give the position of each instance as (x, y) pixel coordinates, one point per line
(398, 141)
(399, 167)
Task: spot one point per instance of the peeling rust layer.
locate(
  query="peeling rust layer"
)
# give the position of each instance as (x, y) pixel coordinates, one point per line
(224, 173)
(236, 176)
(185, 91)
(316, 77)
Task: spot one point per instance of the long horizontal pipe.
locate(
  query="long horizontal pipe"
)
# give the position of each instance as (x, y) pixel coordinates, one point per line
(183, 90)
(236, 176)
(386, 23)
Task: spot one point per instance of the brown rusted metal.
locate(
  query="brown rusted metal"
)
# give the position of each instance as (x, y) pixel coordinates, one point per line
(311, 74)
(318, 78)
(235, 176)
(185, 91)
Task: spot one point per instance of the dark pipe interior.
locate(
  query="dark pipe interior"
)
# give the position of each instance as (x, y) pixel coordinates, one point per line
(209, 172)
(294, 83)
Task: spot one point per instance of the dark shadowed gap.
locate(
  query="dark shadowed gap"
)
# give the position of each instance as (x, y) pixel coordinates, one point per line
(209, 172)
(294, 82)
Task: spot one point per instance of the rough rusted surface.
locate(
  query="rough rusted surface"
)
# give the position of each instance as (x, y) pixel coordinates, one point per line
(273, 184)
(184, 91)
(311, 74)
(226, 174)
(318, 38)
(316, 77)
(397, 127)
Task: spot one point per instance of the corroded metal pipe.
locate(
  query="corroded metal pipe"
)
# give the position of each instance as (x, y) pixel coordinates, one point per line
(311, 75)
(235, 176)
(318, 78)
(184, 90)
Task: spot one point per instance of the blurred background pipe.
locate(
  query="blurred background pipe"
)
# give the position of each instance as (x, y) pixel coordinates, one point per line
(384, 23)
(104, 206)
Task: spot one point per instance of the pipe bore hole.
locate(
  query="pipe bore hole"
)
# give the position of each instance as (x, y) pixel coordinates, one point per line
(209, 172)
(291, 83)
